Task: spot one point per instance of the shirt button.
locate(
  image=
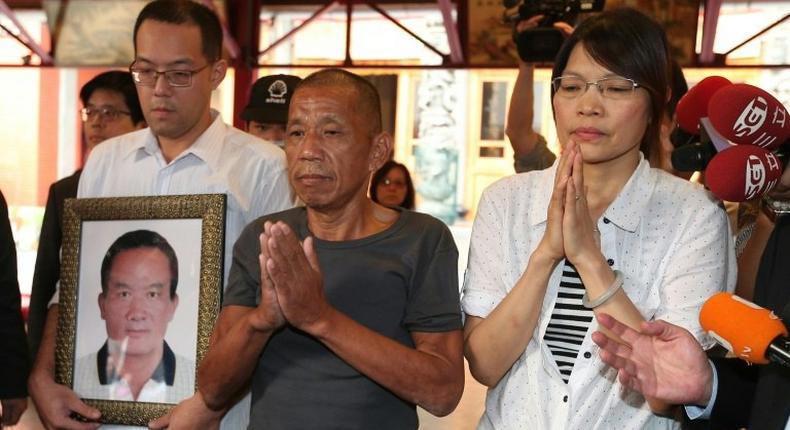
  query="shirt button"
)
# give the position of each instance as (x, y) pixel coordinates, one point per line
(565, 399)
(587, 354)
(606, 221)
(610, 262)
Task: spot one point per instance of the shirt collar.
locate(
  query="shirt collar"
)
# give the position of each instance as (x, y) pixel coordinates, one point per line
(539, 208)
(165, 371)
(626, 209)
(205, 147)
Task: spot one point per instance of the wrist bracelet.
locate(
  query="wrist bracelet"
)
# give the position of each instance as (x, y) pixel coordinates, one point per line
(616, 285)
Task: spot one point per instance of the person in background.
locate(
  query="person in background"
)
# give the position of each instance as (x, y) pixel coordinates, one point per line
(14, 358)
(186, 149)
(267, 111)
(110, 108)
(529, 147)
(600, 231)
(391, 186)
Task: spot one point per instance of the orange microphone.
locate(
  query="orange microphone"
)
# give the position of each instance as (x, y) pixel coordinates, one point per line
(750, 332)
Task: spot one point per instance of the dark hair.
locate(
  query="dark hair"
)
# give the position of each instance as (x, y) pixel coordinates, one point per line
(368, 102)
(378, 178)
(632, 45)
(186, 12)
(119, 82)
(140, 239)
(678, 85)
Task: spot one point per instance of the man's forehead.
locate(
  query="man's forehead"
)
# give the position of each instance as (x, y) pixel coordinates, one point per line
(328, 104)
(133, 257)
(106, 102)
(341, 92)
(150, 53)
(185, 61)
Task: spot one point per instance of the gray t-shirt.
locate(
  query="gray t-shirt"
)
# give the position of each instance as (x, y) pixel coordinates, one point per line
(401, 280)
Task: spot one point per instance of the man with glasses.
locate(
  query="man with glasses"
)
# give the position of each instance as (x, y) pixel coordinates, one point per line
(187, 149)
(110, 109)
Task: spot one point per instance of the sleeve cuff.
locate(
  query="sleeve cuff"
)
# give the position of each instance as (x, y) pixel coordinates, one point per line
(699, 413)
(538, 159)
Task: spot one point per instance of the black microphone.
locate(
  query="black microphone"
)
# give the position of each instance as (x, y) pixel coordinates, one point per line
(692, 157)
(699, 149)
(779, 351)
(680, 137)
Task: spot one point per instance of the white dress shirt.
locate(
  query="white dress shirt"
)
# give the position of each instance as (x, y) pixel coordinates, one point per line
(668, 237)
(250, 172)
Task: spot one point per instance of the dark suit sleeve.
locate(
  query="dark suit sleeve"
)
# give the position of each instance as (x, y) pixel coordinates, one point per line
(47, 270)
(737, 383)
(14, 358)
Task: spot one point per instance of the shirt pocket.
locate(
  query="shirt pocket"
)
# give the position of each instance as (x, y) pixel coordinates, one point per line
(234, 203)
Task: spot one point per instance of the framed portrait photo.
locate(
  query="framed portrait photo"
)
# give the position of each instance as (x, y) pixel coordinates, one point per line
(141, 287)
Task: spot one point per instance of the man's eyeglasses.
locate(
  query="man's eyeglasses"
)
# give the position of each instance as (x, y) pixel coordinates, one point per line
(104, 113)
(570, 87)
(388, 181)
(174, 78)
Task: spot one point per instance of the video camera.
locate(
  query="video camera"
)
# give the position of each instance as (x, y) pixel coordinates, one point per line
(542, 43)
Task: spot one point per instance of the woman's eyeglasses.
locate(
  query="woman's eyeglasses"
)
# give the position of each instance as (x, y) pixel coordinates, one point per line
(571, 87)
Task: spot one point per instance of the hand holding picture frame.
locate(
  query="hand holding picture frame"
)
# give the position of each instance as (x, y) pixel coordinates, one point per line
(141, 286)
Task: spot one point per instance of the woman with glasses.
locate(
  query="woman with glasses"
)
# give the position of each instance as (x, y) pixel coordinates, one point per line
(391, 186)
(598, 232)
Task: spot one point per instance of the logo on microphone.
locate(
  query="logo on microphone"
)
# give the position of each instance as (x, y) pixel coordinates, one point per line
(752, 117)
(755, 177)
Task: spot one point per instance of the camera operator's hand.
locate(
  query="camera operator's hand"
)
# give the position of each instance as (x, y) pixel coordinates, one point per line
(533, 22)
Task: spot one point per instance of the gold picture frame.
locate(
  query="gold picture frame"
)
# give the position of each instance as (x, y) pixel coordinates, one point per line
(194, 225)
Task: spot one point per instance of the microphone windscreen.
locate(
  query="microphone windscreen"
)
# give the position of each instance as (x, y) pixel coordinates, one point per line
(742, 172)
(694, 104)
(747, 115)
(741, 326)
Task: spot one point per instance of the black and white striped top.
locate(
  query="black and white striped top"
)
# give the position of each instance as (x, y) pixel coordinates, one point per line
(569, 321)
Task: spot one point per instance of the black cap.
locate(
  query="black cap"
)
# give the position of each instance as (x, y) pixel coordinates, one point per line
(269, 99)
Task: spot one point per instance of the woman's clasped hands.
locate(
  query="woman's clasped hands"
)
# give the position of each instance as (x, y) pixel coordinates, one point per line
(570, 230)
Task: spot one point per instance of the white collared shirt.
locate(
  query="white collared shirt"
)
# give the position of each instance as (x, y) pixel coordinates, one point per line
(668, 237)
